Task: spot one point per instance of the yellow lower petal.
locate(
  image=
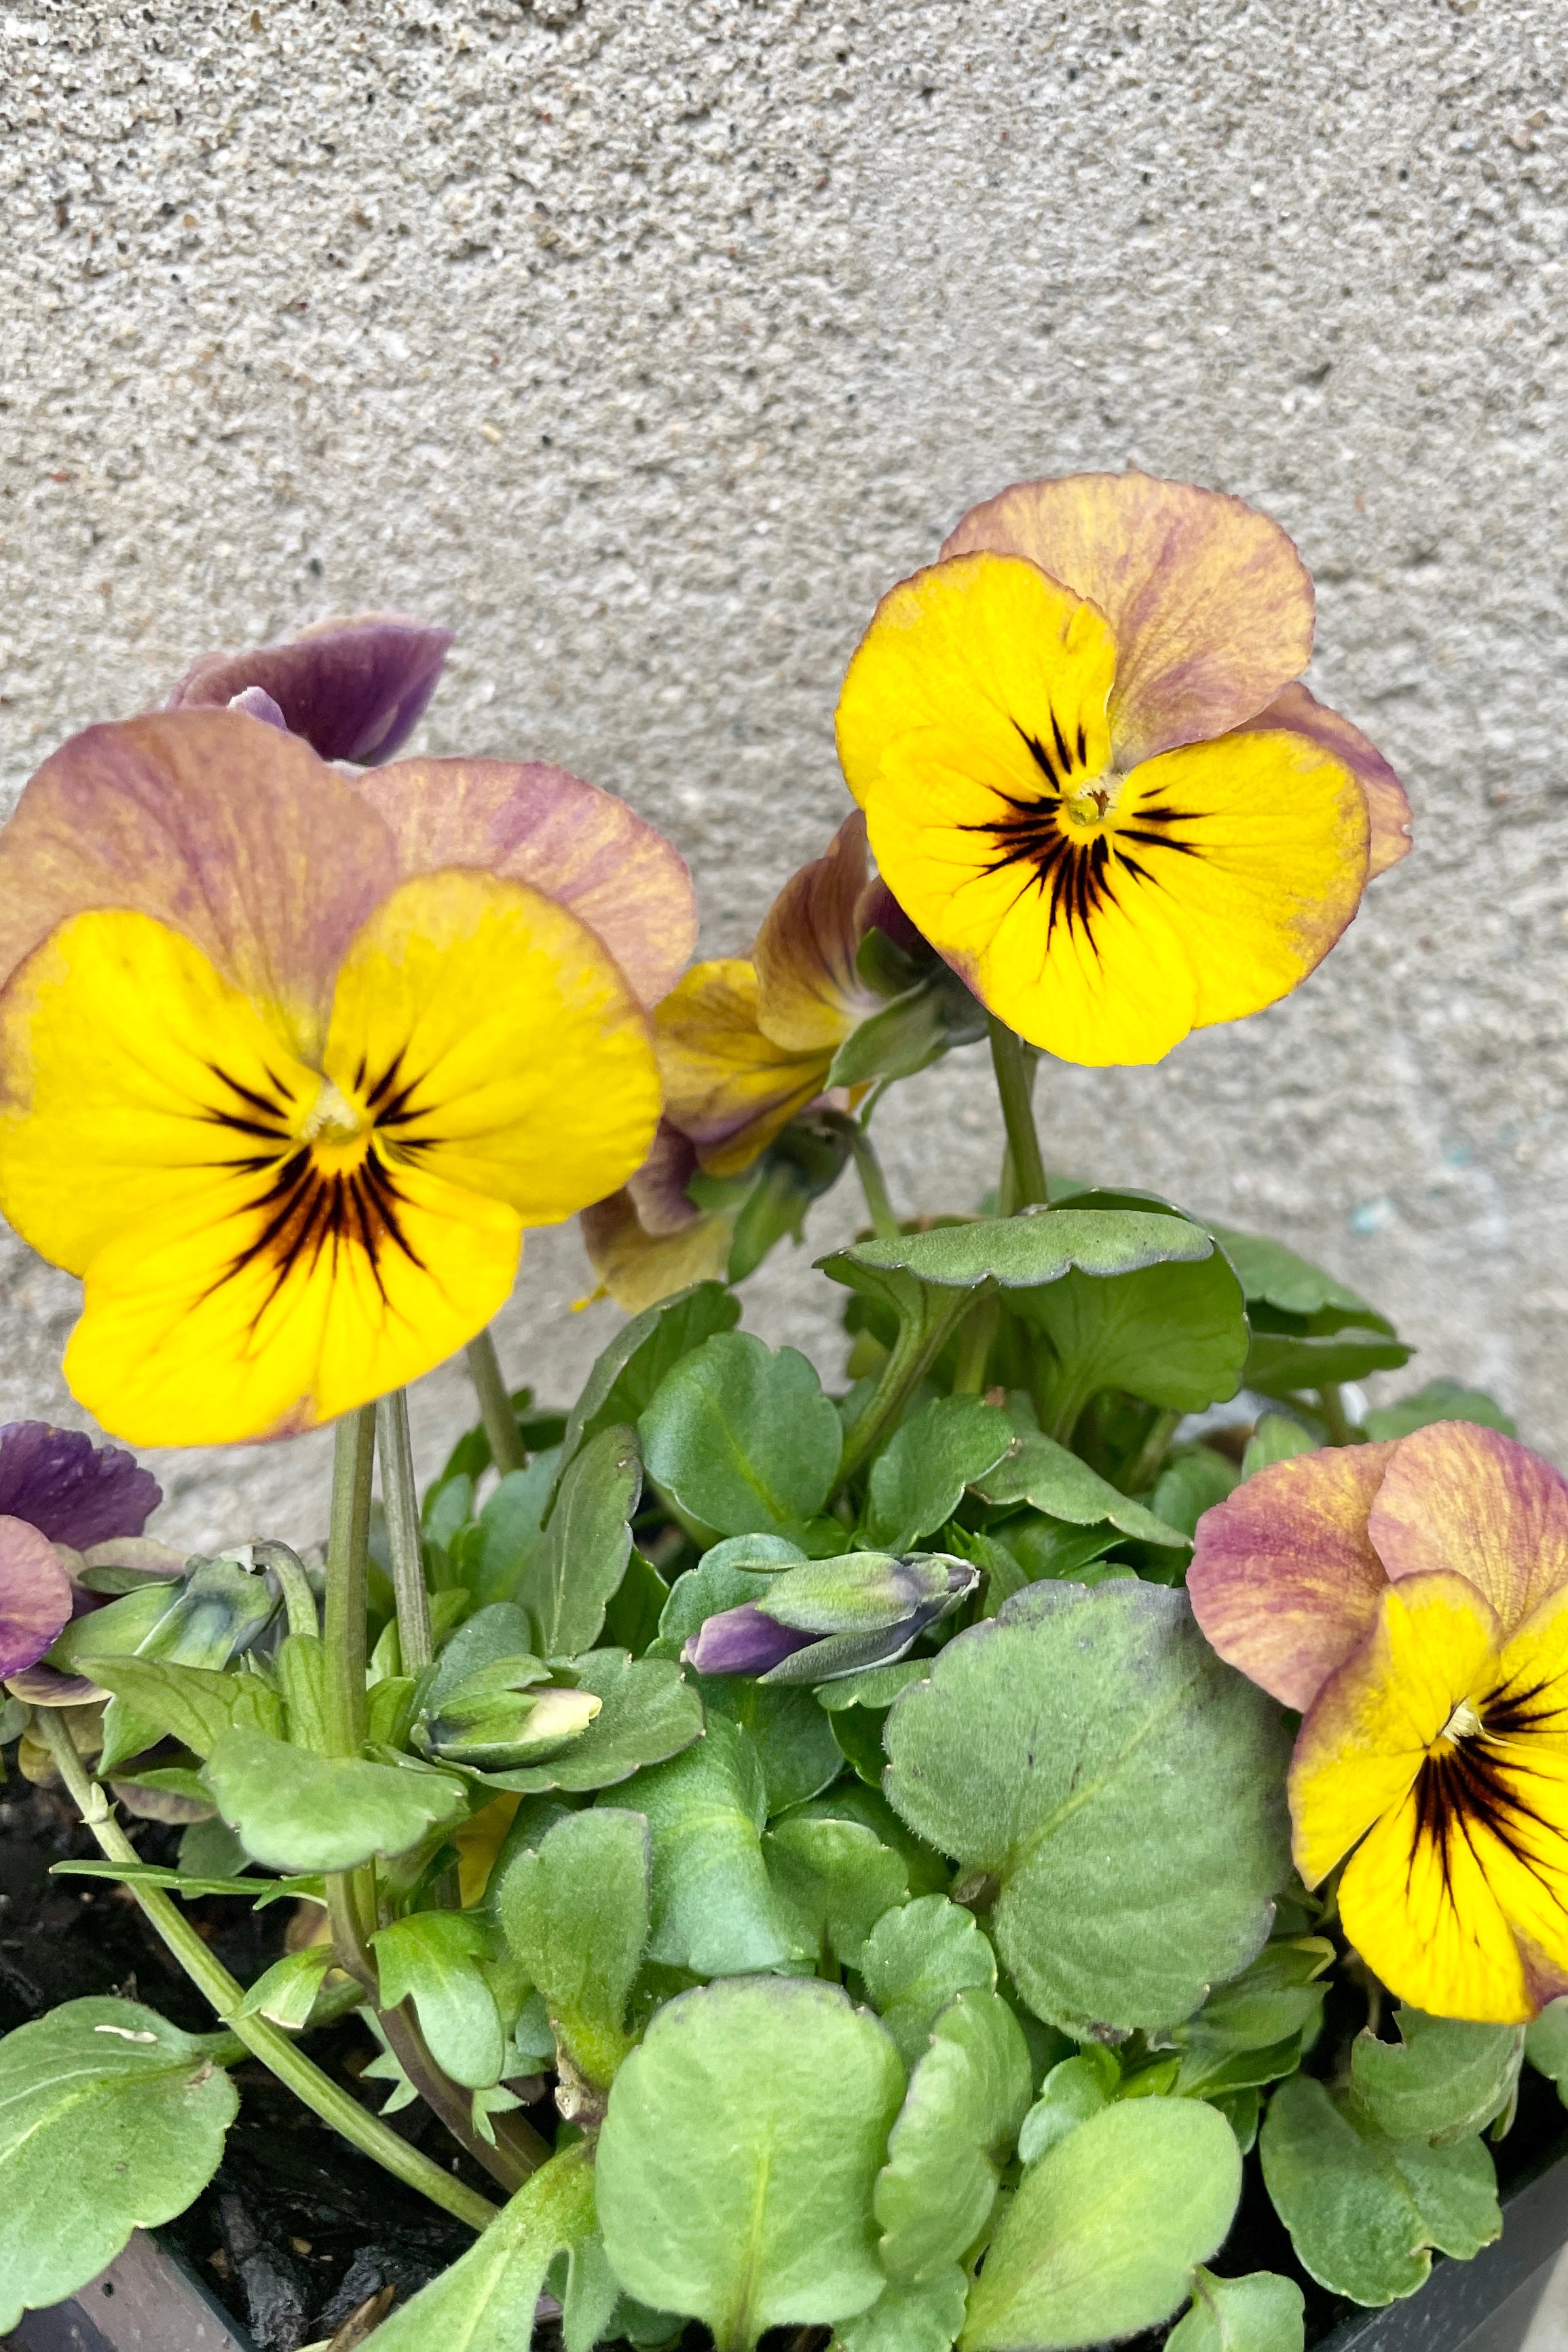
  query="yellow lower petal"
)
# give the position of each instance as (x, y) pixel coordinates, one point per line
(495, 1043)
(1425, 1920)
(727, 1085)
(640, 1268)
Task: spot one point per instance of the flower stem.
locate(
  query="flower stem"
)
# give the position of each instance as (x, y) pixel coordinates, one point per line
(1014, 1063)
(919, 1341)
(265, 2042)
(401, 1503)
(507, 1450)
(873, 1184)
(348, 1547)
(287, 1566)
(1150, 1457)
(975, 1343)
(1332, 1405)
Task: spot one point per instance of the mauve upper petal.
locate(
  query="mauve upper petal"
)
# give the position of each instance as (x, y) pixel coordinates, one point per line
(809, 993)
(35, 1595)
(576, 843)
(1284, 1580)
(218, 826)
(1460, 1497)
(658, 1189)
(353, 689)
(1387, 806)
(742, 1642)
(1210, 604)
(71, 1490)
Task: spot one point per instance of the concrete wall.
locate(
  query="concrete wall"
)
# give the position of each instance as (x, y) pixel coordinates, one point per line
(645, 343)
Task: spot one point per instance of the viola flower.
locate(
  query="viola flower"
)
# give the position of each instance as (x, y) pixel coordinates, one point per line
(1411, 1598)
(57, 1487)
(1092, 776)
(353, 689)
(289, 1060)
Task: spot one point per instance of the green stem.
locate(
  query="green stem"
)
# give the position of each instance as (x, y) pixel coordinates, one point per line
(507, 1449)
(1151, 1453)
(519, 2149)
(400, 1504)
(873, 1184)
(1014, 1063)
(1332, 1405)
(290, 1569)
(916, 1348)
(265, 2042)
(348, 1549)
(975, 1342)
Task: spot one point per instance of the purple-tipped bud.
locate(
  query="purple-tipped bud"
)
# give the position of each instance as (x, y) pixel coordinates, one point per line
(354, 689)
(742, 1642)
(34, 1596)
(71, 1490)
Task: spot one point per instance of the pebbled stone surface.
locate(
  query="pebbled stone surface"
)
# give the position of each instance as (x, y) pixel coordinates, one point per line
(646, 345)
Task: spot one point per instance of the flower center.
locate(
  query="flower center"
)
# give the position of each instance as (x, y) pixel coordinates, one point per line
(1463, 1724)
(1088, 808)
(336, 1130)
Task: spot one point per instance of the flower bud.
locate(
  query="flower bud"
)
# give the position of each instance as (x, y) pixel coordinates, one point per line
(492, 1725)
(833, 1617)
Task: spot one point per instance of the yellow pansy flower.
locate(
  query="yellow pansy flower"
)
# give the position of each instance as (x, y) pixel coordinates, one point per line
(1092, 776)
(289, 1060)
(1411, 1599)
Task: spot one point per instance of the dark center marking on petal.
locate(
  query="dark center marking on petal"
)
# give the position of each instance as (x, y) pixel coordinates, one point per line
(1475, 1785)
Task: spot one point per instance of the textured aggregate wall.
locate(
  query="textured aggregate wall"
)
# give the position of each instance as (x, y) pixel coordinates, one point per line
(644, 341)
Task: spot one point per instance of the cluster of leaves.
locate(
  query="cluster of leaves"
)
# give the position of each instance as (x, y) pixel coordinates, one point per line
(932, 1984)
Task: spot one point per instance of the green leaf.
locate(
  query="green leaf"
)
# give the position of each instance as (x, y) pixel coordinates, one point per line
(1175, 1333)
(491, 1557)
(115, 1631)
(1443, 2080)
(1089, 1750)
(909, 2318)
(1545, 2044)
(1282, 1363)
(1266, 2010)
(301, 1813)
(1192, 1485)
(575, 1913)
(736, 2162)
(959, 2119)
(258, 1890)
(833, 1881)
(713, 1908)
(194, 1705)
(1040, 1246)
(918, 1481)
(222, 1607)
(1439, 1400)
(739, 1570)
(110, 2120)
(1037, 1470)
(1273, 1275)
(915, 1962)
(648, 1712)
(287, 1991)
(1277, 1438)
(631, 1618)
(1259, 2313)
(432, 1959)
(793, 1738)
(485, 2301)
(1103, 2233)
(741, 1439)
(1364, 2211)
(582, 1555)
(1075, 2089)
(627, 1376)
(852, 1801)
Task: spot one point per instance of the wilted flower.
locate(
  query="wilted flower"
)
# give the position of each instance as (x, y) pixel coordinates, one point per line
(1091, 777)
(354, 688)
(287, 1060)
(1411, 1599)
(833, 1617)
(57, 1487)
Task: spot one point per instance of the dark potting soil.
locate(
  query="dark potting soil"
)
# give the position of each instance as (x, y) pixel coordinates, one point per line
(297, 2231)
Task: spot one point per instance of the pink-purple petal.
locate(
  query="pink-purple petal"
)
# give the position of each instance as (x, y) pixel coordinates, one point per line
(354, 689)
(34, 1596)
(44, 1687)
(742, 1642)
(578, 845)
(1461, 1497)
(73, 1491)
(1299, 712)
(1284, 1580)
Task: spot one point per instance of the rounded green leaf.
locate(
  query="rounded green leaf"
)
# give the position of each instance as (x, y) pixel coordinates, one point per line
(1442, 2079)
(736, 2162)
(918, 1478)
(301, 1812)
(957, 2127)
(916, 1960)
(833, 1881)
(110, 2120)
(577, 1565)
(1075, 2089)
(1175, 1333)
(741, 1438)
(627, 1376)
(485, 2301)
(1259, 2313)
(715, 1910)
(1037, 1470)
(575, 1914)
(1041, 1245)
(1125, 1788)
(910, 2319)
(432, 1959)
(1104, 2230)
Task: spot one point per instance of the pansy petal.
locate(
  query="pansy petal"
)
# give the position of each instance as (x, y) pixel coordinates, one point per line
(742, 1642)
(809, 995)
(218, 826)
(1387, 806)
(1284, 1580)
(1461, 1497)
(726, 1086)
(497, 1044)
(658, 1190)
(1428, 1922)
(1366, 1735)
(997, 657)
(638, 1267)
(569, 840)
(1210, 604)
(353, 689)
(35, 1595)
(71, 1490)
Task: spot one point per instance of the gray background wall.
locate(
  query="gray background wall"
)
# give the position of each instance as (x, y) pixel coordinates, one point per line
(645, 343)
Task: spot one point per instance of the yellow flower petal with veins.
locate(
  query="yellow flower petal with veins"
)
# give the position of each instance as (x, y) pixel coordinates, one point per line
(265, 1244)
(727, 1086)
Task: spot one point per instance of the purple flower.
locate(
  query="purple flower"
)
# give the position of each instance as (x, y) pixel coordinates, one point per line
(353, 689)
(57, 1487)
(744, 1642)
